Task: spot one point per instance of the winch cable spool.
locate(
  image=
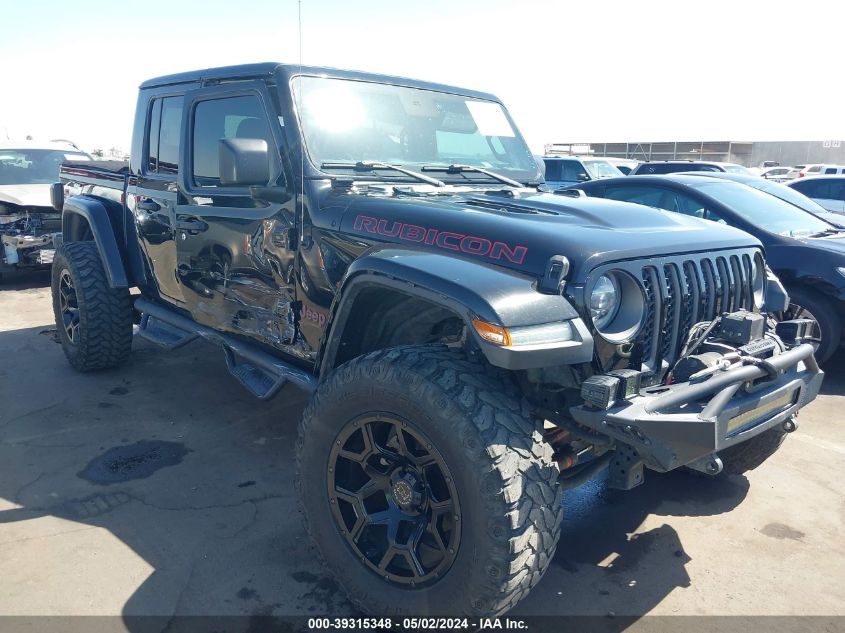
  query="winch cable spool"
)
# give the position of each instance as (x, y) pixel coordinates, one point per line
(728, 360)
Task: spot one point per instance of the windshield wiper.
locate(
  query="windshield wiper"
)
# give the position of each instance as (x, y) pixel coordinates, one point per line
(826, 232)
(368, 165)
(457, 169)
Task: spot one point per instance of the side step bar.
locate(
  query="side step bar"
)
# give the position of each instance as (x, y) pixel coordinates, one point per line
(261, 373)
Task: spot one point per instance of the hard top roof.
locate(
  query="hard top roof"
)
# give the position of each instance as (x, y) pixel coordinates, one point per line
(269, 69)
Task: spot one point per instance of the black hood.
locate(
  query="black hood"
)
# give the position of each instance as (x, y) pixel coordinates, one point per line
(522, 232)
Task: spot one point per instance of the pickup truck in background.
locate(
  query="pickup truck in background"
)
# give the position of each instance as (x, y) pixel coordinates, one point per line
(474, 346)
(29, 226)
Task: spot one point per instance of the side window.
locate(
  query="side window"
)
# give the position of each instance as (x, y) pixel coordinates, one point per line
(573, 171)
(216, 119)
(690, 206)
(649, 196)
(807, 187)
(152, 136)
(830, 170)
(163, 135)
(552, 170)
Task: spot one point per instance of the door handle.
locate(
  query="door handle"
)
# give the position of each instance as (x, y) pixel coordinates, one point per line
(147, 204)
(191, 224)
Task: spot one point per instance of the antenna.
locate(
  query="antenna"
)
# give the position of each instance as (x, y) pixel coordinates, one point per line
(301, 138)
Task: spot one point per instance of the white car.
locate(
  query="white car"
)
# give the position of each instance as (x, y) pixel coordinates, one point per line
(777, 174)
(827, 191)
(29, 226)
(815, 169)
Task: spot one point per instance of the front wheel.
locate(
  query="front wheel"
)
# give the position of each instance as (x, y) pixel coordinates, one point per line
(93, 320)
(827, 328)
(425, 486)
(748, 455)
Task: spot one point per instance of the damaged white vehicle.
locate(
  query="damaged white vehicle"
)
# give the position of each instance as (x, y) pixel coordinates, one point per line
(30, 229)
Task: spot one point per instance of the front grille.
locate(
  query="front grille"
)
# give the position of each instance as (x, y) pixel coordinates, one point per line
(685, 291)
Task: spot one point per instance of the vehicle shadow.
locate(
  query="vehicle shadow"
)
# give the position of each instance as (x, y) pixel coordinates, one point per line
(617, 559)
(25, 280)
(190, 482)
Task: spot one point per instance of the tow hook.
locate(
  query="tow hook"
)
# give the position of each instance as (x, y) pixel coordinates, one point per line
(790, 424)
(709, 465)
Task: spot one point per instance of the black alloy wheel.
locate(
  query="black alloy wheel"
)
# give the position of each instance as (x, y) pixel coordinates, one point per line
(394, 499)
(69, 306)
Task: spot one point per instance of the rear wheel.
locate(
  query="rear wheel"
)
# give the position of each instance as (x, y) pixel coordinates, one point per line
(93, 320)
(425, 486)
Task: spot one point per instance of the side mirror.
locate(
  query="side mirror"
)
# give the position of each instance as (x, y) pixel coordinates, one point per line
(243, 161)
(57, 196)
(583, 177)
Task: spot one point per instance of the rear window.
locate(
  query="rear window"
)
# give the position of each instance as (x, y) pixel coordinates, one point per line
(671, 168)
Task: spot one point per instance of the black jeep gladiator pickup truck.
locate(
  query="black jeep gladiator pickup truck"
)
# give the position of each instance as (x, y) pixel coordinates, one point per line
(474, 345)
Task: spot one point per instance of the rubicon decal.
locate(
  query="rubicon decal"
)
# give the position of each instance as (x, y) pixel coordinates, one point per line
(469, 244)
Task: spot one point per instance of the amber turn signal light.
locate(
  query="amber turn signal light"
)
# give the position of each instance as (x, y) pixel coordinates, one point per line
(495, 334)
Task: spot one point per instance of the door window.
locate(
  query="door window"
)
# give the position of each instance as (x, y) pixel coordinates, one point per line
(573, 171)
(647, 195)
(552, 170)
(163, 135)
(216, 119)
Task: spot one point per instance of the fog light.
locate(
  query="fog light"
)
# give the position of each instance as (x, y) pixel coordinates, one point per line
(600, 391)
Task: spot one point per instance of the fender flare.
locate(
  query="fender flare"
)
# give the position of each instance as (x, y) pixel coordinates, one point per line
(96, 217)
(469, 289)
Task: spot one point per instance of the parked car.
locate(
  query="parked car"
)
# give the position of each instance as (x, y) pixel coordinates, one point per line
(804, 251)
(778, 174)
(673, 166)
(818, 169)
(562, 171)
(783, 192)
(29, 226)
(827, 191)
(474, 345)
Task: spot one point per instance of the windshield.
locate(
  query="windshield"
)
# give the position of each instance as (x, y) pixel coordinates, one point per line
(33, 166)
(736, 169)
(601, 169)
(765, 211)
(346, 121)
(788, 194)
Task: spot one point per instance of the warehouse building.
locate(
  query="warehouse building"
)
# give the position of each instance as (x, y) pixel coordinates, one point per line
(748, 153)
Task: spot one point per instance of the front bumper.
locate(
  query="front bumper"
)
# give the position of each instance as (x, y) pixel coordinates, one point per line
(24, 250)
(674, 425)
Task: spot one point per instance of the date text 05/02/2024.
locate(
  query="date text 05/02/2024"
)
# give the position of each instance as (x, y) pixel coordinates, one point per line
(417, 624)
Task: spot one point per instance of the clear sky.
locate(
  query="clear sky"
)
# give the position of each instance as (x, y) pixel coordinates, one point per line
(574, 70)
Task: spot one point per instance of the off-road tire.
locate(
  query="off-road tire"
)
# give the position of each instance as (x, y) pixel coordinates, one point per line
(504, 473)
(829, 322)
(105, 313)
(748, 455)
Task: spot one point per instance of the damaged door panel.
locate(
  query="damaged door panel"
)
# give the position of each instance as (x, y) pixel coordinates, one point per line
(235, 253)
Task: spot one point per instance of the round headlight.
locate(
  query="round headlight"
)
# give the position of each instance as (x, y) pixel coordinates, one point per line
(604, 301)
(617, 306)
